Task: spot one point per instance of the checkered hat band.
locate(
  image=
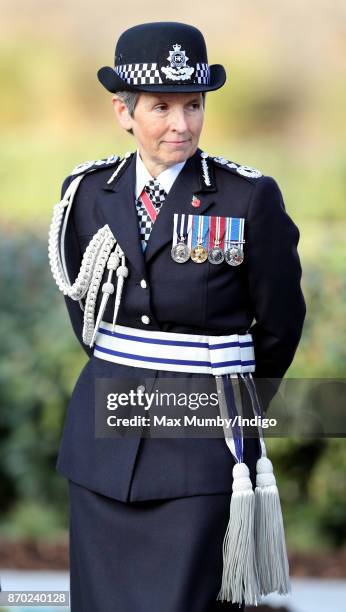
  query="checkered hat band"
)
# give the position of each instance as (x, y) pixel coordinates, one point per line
(202, 75)
(149, 74)
(139, 74)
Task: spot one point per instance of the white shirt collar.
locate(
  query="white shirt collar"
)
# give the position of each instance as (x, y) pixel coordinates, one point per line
(165, 178)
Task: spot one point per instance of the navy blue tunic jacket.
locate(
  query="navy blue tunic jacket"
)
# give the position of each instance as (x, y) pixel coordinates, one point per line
(262, 295)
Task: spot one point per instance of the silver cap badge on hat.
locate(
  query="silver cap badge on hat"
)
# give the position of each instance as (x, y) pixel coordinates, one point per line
(178, 70)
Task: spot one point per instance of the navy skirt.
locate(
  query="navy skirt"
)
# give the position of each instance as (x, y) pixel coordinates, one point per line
(146, 556)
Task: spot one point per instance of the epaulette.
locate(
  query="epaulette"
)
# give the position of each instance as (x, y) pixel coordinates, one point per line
(87, 166)
(121, 166)
(245, 171)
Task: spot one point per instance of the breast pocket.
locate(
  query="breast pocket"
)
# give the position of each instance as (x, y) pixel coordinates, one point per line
(178, 290)
(226, 271)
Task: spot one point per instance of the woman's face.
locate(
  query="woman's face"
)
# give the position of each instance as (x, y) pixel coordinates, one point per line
(166, 126)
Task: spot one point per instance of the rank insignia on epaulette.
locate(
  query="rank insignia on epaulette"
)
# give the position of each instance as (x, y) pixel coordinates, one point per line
(88, 165)
(247, 171)
(121, 166)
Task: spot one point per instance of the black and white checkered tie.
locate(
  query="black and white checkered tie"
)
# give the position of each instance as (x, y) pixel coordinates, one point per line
(157, 196)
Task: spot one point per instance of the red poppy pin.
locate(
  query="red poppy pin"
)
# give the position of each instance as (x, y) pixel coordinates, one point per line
(195, 202)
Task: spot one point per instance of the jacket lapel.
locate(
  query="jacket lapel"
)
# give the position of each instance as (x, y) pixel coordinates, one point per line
(179, 199)
(117, 204)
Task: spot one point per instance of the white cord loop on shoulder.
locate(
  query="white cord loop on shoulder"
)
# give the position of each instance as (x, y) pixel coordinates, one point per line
(96, 256)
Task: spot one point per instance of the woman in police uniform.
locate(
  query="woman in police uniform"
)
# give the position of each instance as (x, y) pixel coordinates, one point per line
(159, 254)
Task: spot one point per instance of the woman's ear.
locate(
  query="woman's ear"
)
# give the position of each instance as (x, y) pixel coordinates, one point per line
(122, 114)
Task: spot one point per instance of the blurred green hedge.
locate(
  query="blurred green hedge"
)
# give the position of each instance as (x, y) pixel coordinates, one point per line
(38, 364)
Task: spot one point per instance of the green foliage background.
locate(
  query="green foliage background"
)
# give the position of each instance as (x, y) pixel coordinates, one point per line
(281, 110)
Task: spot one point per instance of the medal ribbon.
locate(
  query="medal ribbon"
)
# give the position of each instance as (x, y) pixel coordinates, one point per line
(185, 227)
(200, 228)
(175, 226)
(184, 223)
(235, 230)
(217, 227)
(187, 235)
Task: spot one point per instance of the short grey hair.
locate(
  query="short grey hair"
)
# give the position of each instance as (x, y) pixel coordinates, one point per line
(130, 98)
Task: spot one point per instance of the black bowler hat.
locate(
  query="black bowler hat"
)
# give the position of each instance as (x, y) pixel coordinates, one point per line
(162, 57)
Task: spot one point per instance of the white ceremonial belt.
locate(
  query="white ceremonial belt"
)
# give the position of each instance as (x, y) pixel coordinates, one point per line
(173, 352)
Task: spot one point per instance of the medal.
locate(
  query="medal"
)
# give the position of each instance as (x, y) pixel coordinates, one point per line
(199, 254)
(234, 254)
(200, 227)
(217, 231)
(215, 255)
(180, 251)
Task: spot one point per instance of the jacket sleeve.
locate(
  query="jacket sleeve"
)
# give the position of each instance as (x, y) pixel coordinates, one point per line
(274, 275)
(73, 257)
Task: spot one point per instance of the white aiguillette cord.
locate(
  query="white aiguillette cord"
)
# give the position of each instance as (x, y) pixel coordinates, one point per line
(95, 257)
(67, 200)
(108, 287)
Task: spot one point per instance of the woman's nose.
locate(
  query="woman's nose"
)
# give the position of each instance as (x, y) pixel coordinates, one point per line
(178, 121)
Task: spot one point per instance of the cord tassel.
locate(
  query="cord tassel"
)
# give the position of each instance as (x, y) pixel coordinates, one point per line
(122, 273)
(107, 289)
(271, 553)
(273, 568)
(239, 576)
